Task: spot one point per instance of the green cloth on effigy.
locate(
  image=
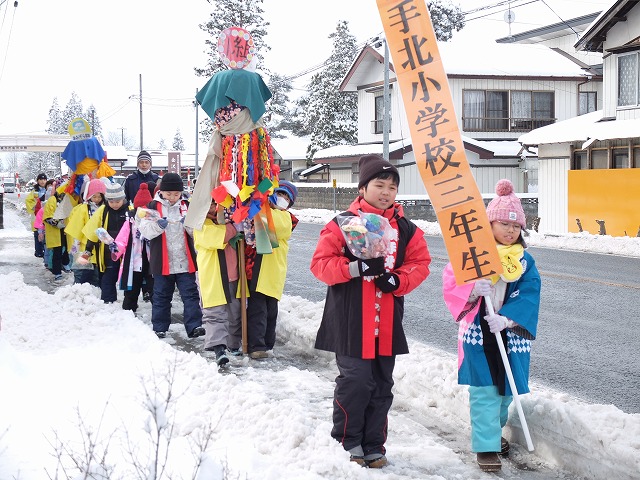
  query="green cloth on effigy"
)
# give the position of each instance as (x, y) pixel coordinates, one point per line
(246, 88)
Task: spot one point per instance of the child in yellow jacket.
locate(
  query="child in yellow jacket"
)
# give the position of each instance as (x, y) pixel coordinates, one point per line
(55, 239)
(76, 240)
(266, 275)
(33, 203)
(110, 216)
(217, 262)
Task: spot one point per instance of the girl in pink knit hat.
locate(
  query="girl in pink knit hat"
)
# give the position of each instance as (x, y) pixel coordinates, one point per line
(515, 295)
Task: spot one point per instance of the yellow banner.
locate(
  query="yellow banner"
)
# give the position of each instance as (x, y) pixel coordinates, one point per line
(436, 140)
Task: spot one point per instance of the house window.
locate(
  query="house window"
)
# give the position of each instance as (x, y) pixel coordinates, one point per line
(620, 159)
(588, 102)
(628, 80)
(516, 111)
(355, 172)
(580, 161)
(378, 123)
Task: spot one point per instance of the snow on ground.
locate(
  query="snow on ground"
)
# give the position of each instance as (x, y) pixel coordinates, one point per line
(75, 373)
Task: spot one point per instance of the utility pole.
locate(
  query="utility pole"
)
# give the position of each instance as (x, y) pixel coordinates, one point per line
(141, 136)
(386, 104)
(122, 135)
(195, 169)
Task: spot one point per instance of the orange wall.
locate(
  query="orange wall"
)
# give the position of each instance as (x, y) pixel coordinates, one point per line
(610, 195)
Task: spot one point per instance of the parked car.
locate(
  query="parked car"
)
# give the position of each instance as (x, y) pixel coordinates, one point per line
(9, 185)
(119, 178)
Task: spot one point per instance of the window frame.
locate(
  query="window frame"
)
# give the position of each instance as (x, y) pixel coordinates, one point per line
(378, 113)
(588, 96)
(635, 102)
(502, 123)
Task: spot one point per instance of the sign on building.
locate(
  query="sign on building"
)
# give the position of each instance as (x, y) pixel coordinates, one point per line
(173, 164)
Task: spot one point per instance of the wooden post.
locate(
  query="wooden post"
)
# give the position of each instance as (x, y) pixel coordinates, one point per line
(243, 294)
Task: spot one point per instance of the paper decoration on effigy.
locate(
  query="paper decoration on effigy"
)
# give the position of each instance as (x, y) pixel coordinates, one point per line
(84, 156)
(240, 173)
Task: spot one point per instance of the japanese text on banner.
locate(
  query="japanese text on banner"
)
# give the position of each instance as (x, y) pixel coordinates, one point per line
(436, 139)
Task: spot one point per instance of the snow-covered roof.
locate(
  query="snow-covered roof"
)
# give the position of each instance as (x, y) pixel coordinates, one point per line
(357, 150)
(291, 147)
(593, 38)
(310, 170)
(590, 127)
(506, 148)
(460, 58)
(499, 148)
(571, 26)
(116, 152)
(513, 60)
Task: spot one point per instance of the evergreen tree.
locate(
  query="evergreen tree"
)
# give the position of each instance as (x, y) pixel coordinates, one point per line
(71, 111)
(330, 115)
(445, 18)
(278, 113)
(178, 143)
(94, 121)
(55, 122)
(230, 13)
(162, 145)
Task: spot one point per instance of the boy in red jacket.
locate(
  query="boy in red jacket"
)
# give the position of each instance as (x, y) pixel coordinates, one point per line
(362, 319)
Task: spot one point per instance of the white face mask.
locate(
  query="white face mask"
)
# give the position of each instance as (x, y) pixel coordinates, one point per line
(144, 172)
(282, 203)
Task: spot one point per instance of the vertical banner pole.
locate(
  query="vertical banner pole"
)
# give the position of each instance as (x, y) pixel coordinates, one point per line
(438, 148)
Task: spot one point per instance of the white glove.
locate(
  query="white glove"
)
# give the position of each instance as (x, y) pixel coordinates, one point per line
(497, 323)
(482, 288)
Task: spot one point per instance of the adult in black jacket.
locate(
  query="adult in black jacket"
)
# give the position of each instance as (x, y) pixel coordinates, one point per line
(142, 175)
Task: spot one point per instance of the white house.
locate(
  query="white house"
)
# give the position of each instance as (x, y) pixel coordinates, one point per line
(499, 91)
(589, 167)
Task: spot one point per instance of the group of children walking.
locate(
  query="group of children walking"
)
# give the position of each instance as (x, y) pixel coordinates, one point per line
(116, 245)
(363, 311)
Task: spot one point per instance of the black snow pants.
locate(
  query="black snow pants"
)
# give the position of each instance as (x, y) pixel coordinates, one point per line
(361, 401)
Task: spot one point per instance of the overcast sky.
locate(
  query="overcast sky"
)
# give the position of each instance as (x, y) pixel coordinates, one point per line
(99, 49)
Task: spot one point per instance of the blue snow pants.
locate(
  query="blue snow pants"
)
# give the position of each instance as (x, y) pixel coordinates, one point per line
(163, 288)
(489, 413)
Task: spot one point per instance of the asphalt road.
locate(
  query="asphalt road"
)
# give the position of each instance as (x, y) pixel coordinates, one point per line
(589, 329)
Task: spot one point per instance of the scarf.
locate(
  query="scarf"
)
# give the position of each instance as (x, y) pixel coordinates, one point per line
(510, 256)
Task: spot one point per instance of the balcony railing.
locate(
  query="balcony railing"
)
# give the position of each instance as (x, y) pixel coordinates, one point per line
(376, 125)
(493, 124)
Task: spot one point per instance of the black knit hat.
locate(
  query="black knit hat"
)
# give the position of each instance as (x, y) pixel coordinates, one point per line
(171, 182)
(42, 176)
(373, 166)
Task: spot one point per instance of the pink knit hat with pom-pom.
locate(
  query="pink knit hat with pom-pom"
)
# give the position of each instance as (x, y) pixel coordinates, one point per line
(95, 186)
(506, 207)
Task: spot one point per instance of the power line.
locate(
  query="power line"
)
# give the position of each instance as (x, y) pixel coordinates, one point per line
(562, 19)
(6, 52)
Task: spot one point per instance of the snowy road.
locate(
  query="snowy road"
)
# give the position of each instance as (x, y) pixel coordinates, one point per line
(584, 344)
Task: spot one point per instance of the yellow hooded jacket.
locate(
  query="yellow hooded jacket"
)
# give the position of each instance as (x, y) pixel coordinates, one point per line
(210, 245)
(76, 221)
(273, 269)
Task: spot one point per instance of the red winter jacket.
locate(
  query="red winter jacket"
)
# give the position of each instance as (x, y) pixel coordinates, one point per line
(348, 323)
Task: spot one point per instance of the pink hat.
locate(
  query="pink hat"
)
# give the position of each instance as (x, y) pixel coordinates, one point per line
(95, 186)
(506, 207)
